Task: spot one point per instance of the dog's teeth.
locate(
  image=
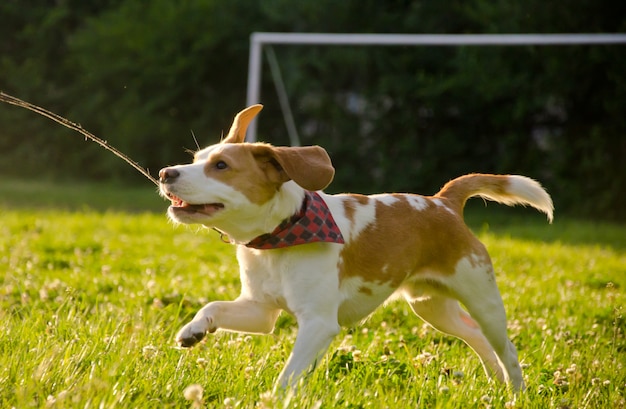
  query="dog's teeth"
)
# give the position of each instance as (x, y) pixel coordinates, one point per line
(177, 201)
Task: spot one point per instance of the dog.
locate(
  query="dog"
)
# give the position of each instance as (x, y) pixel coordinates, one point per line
(331, 260)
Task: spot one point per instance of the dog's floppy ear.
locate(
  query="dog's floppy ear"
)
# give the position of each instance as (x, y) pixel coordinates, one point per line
(237, 133)
(308, 166)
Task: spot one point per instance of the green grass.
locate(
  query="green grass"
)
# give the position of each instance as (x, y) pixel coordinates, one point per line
(97, 282)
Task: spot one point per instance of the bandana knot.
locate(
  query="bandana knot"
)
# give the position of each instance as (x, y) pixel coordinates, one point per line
(313, 223)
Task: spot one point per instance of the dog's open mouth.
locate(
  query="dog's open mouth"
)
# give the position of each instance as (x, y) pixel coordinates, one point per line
(179, 204)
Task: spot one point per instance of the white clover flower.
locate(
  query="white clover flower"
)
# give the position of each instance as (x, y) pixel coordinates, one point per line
(149, 351)
(193, 393)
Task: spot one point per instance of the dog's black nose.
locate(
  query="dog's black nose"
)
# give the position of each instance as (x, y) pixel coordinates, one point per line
(167, 175)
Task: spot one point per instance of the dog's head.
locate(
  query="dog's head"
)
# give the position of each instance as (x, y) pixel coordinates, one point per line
(234, 179)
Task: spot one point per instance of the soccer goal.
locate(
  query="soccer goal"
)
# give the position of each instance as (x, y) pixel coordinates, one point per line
(259, 39)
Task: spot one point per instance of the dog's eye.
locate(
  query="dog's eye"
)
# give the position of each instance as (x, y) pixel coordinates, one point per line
(221, 165)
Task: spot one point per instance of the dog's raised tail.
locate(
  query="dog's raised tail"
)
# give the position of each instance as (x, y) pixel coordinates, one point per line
(506, 189)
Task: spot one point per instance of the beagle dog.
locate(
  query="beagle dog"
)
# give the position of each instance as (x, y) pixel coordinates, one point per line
(331, 260)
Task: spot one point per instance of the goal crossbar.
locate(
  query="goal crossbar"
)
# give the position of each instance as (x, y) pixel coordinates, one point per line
(258, 39)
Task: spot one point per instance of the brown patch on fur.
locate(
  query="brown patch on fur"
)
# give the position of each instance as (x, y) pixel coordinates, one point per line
(258, 170)
(350, 204)
(256, 179)
(365, 290)
(409, 242)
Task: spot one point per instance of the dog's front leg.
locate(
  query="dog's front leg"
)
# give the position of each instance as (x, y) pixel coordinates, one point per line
(314, 336)
(241, 315)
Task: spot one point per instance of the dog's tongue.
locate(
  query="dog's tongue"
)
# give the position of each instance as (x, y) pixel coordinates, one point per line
(208, 208)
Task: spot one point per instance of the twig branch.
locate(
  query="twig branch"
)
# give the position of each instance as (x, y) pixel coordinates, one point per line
(76, 127)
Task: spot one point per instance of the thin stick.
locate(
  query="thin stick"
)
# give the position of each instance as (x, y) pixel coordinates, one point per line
(76, 127)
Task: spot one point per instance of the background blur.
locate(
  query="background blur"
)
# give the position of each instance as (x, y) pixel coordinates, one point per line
(145, 74)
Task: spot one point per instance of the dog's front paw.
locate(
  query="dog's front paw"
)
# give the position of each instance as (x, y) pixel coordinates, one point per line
(193, 333)
(189, 340)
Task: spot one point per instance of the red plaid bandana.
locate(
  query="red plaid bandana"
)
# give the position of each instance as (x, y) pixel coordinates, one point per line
(313, 223)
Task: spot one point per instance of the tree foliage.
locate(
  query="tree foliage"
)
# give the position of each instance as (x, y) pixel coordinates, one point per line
(146, 74)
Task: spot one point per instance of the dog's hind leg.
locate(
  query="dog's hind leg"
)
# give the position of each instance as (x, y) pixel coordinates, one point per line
(487, 310)
(446, 315)
(241, 315)
(474, 285)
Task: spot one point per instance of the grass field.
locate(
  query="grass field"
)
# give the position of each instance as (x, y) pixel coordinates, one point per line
(96, 282)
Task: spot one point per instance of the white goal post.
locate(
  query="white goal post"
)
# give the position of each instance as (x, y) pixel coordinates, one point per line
(259, 39)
